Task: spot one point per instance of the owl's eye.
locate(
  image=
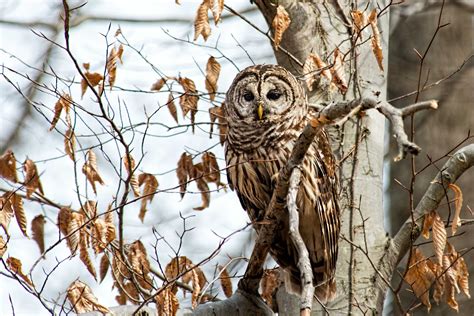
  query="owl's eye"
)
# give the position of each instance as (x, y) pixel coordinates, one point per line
(273, 95)
(248, 96)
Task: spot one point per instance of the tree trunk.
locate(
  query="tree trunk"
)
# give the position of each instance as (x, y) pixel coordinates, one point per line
(318, 28)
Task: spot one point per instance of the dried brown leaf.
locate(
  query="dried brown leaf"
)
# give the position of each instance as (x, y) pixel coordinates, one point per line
(138, 259)
(205, 194)
(427, 223)
(91, 171)
(201, 22)
(216, 8)
(462, 274)
(37, 230)
(14, 265)
(70, 143)
(3, 247)
(439, 237)
(129, 163)
(211, 169)
(280, 23)
(451, 286)
(73, 231)
(6, 211)
(213, 69)
(458, 205)
(94, 79)
(158, 84)
(182, 173)
(376, 42)
(188, 101)
(438, 287)
(172, 107)
(337, 72)
(167, 303)
(196, 289)
(84, 256)
(111, 64)
(17, 204)
(8, 166)
(120, 53)
(226, 283)
(315, 69)
(83, 300)
(269, 283)
(420, 277)
(104, 267)
(360, 20)
(64, 217)
(32, 180)
(64, 102)
(99, 235)
(150, 185)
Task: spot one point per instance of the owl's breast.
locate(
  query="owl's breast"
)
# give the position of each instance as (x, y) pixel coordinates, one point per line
(252, 175)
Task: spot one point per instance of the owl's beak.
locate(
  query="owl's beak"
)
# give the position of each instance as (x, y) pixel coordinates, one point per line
(260, 110)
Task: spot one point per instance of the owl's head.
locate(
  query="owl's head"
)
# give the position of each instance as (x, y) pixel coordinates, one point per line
(264, 94)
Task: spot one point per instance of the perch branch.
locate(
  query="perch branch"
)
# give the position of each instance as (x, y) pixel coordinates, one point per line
(304, 265)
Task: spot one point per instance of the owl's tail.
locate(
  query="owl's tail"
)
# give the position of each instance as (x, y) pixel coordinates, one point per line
(324, 292)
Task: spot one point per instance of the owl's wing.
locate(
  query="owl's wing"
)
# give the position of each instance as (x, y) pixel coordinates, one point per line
(327, 205)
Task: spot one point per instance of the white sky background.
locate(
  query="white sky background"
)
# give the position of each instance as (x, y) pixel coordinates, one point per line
(161, 152)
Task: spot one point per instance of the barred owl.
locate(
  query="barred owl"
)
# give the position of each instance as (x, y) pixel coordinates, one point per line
(266, 110)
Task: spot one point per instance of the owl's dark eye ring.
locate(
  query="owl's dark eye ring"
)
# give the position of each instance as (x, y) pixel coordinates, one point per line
(273, 95)
(248, 96)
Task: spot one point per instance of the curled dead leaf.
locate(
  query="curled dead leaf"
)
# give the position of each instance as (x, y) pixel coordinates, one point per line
(158, 84)
(90, 170)
(83, 299)
(129, 163)
(172, 107)
(37, 231)
(32, 180)
(150, 185)
(201, 22)
(226, 282)
(420, 277)
(315, 70)
(457, 205)
(167, 303)
(280, 23)
(376, 42)
(8, 166)
(70, 143)
(15, 267)
(3, 246)
(64, 102)
(213, 69)
(337, 72)
(439, 237)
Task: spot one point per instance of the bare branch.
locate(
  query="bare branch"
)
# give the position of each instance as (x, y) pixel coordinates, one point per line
(304, 263)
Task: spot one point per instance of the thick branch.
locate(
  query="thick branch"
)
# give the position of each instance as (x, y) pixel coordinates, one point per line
(304, 264)
(462, 160)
